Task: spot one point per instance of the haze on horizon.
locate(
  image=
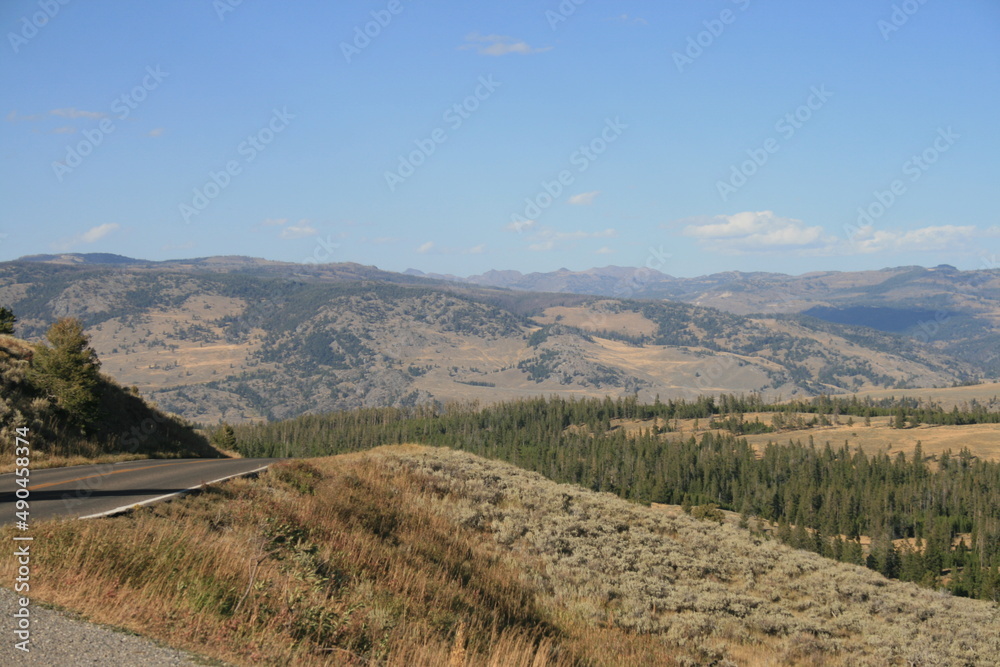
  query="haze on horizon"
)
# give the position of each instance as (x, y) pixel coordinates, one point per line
(456, 138)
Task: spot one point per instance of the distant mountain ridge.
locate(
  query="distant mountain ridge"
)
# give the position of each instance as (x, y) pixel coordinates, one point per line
(613, 281)
(241, 338)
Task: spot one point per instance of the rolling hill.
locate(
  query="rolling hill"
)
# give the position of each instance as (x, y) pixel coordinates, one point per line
(237, 339)
(117, 425)
(426, 556)
(956, 312)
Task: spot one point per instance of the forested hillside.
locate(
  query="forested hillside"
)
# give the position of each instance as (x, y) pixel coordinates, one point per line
(237, 340)
(823, 497)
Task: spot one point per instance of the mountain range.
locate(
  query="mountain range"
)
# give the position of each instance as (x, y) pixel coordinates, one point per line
(238, 338)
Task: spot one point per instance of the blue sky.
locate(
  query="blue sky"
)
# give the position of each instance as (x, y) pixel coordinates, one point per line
(457, 137)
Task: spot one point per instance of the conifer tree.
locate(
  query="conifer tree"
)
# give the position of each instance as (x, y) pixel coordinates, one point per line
(68, 370)
(225, 437)
(7, 320)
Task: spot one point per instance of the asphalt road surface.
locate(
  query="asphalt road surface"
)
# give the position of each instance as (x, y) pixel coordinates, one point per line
(86, 491)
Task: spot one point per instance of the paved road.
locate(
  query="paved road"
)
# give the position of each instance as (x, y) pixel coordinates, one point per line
(85, 491)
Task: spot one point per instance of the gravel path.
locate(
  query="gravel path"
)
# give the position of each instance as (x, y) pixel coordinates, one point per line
(57, 639)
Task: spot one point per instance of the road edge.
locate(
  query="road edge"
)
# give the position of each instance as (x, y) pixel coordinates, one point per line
(149, 501)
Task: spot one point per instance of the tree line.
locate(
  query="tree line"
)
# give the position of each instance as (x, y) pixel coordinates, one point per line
(821, 497)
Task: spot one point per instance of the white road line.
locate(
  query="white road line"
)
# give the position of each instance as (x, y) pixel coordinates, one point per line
(126, 508)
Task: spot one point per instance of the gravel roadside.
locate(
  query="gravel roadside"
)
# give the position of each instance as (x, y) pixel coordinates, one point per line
(57, 639)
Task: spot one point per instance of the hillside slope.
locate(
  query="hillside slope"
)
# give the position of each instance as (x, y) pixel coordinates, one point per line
(952, 311)
(237, 339)
(126, 426)
(423, 556)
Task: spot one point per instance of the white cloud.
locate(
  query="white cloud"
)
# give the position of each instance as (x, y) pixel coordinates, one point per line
(14, 117)
(870, 240)
(425, 248)
(73, 112)
(92, 235)
(66, 129)
(584, 198)
(520, 225)
(763, 231)
(499, 45)
(604, 250)
(156, 132)
(625, 18)
(295, 230)
(299, 230)
(99, 232)
(754, 231)
(476, 249)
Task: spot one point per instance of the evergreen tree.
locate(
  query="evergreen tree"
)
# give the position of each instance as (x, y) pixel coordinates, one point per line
(68, 371)
(853, 552)
(7, 320)
(225, 437)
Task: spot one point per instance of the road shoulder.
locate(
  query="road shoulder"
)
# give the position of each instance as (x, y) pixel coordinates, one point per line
(57, 638)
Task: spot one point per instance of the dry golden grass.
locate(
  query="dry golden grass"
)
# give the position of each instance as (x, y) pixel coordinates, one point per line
(421, 556)
(948, 397)
(127, 351)
(983, 440)
(598, 318)
(705, 593)
(341, 564)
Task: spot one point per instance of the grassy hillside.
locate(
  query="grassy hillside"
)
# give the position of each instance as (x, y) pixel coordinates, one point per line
(982, 440)
(987, 394)
(417, 556)
(123, 425)
(225, 339)
(680, 452)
